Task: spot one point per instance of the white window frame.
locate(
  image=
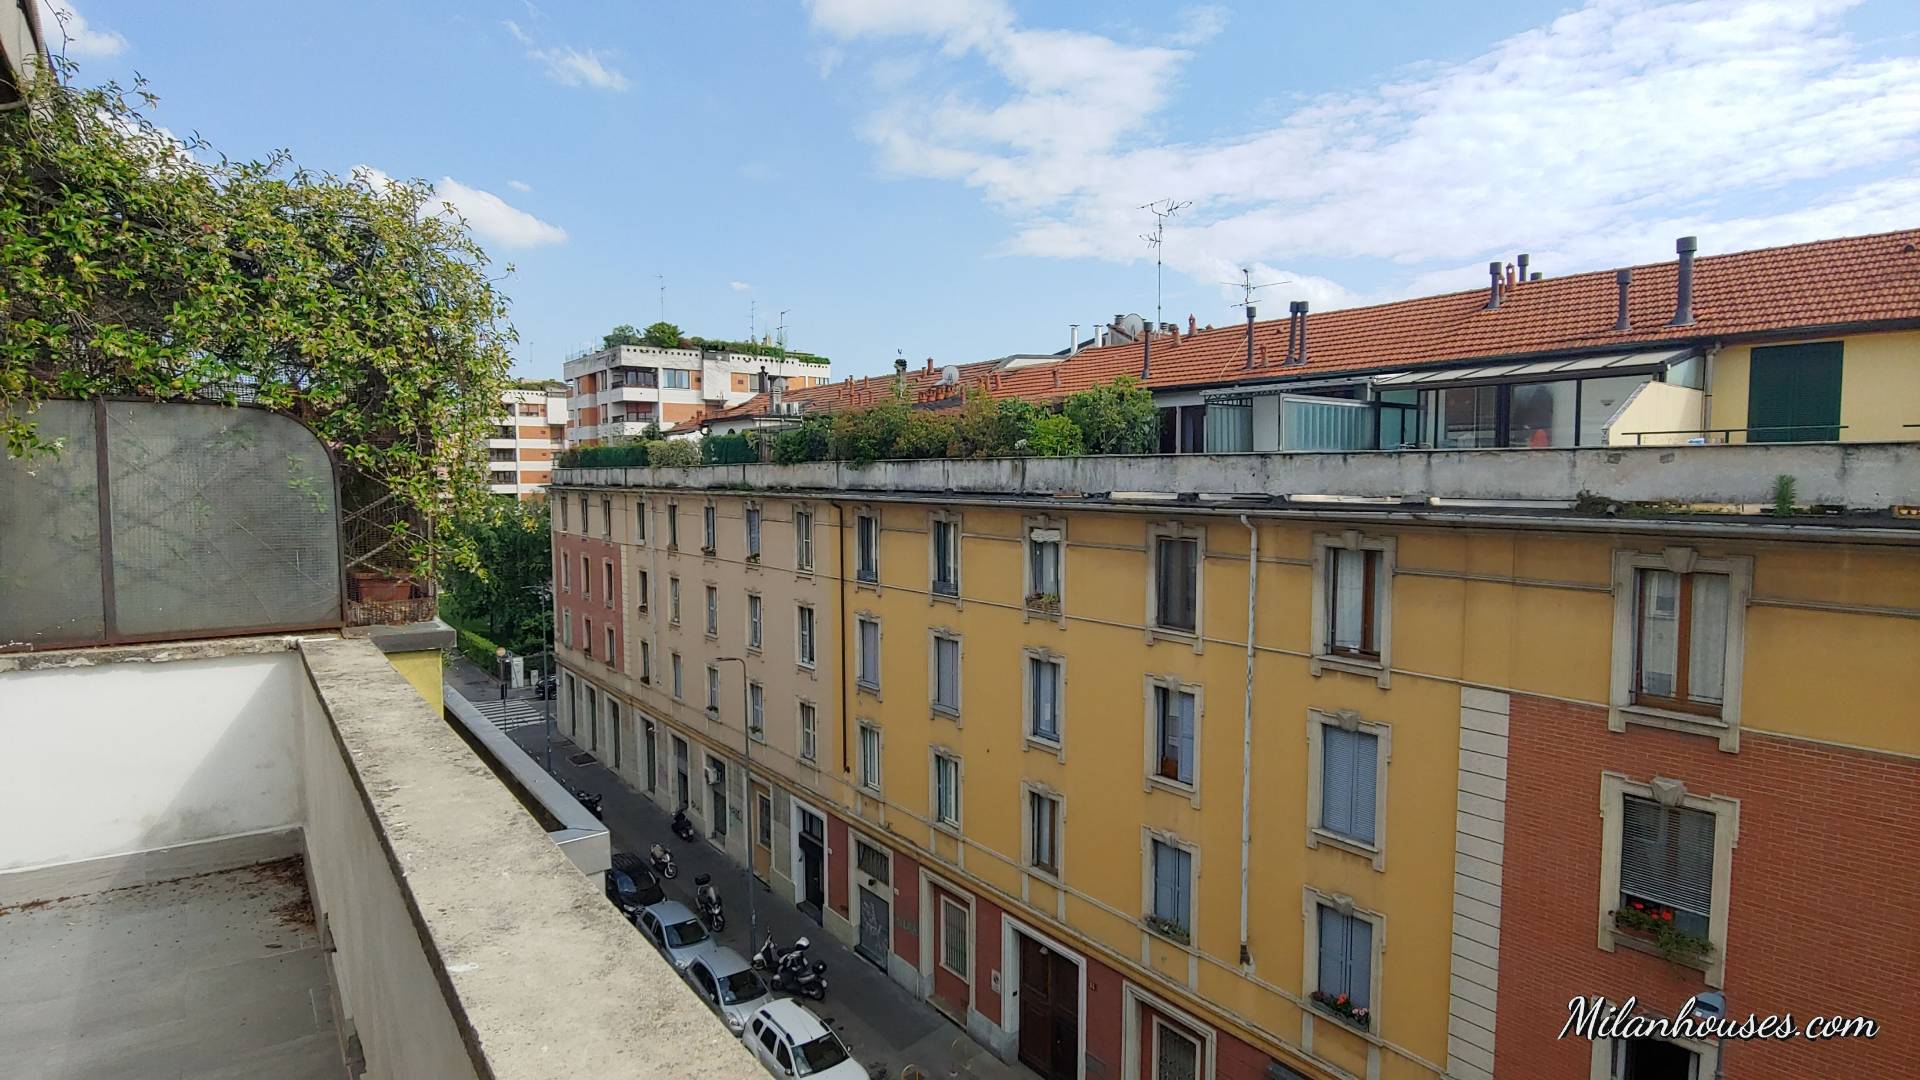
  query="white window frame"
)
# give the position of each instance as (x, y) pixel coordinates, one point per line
(1348, 720)
(1614, 787)
(713, 609)
(1133, 1005)
(586, 577)
(673, 600)
(713, 689)
(1176, 530)
(566, 627)
(1706, 1057)
(566, 568)
(1151, 738)
(803, 540)
(860, 518)
(673, 525)
(756, 710)
(950, 519)
(860, 682)
(934, 637)
(1029, 789)
(809, 736)
(613, 649)
(679, 682)
(806, 647)
(643, 584)
(871, 775)
(709, 528)
(935, 812)
(586, 635)
(1321, 656)
(756, 622)
(606, 580)
(1622, 709)
(752, 524)
(1312, 898)
(943, 903)
(1056, 746)
(640, 522)
(646, 661)
(1148, 837)
(1058, 527)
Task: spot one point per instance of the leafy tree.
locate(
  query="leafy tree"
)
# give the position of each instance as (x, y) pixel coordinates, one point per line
(662, 335)
(869, 434)
(624, 334)
(502, 596)
(131, 266)
(1055, 436)
(673, 453)
(1114, 418)
(811, 441)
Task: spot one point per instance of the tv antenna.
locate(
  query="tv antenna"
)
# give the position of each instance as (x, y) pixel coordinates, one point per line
(662, 279)
(1161, 210)
(1248, 288)
(753, 320)
(780, 334)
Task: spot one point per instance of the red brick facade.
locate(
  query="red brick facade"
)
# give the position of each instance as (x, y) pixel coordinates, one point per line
(1825, 899)
(590, 601)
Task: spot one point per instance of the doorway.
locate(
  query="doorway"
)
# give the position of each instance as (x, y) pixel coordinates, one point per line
(873, 870)
(1049, 1010)
(810, 853)
(682, 794)
(953, 954)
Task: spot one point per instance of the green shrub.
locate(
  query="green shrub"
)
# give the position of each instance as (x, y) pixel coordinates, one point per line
(732, 449)
(672, 453)
(1055, 436)
(811, 441)
(480, 651)
(1115, 418)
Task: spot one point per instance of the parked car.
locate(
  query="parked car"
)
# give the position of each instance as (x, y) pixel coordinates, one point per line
(790, 1041)
(631, 886)
(547, 687)
(730, 985)
(677, 931)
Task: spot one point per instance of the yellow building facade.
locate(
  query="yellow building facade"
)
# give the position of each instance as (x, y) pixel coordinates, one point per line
(1125, 765)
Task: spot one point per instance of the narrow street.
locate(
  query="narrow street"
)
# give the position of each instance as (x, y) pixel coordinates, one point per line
(887, 1029)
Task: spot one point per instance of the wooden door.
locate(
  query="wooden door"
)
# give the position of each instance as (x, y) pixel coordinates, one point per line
(762, 805)
(1049, 1011)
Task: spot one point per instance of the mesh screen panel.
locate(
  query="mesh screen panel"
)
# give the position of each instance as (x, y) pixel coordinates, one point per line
(50, 537)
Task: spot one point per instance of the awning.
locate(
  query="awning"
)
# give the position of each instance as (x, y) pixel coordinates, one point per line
(1572, 367)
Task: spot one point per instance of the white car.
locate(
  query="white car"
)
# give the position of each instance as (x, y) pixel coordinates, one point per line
(790, 1041)
(678, 933)
(730, 985)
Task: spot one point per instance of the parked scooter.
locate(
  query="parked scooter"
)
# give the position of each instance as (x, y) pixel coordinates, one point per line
(682, 828)
(796, 976)
(587, 799)
(768, 956)
(662, 861)
(706, 902)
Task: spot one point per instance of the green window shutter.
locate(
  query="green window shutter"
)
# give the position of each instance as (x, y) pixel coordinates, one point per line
(1793, 393)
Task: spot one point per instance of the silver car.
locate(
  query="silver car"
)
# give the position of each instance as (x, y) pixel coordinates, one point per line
(729, 984)
(678, 933)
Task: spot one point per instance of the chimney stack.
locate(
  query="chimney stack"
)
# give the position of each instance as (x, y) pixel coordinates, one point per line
(1146, 354)
(1621, 279)
(1293, 331)
(763, 379)
(1303, 332)
(1523, 260)
(1073, 339)
(900, 366)
(1683, 300)
(1493, 285)
(929, 365)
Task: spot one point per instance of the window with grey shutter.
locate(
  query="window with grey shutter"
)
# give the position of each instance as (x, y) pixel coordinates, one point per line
(946, 558)
(1346, 957)
(1349, 767)
(1174, 709)
(946, 670)
(1666, 861)
(1172, 901)
(869, 654)
(1044, 699)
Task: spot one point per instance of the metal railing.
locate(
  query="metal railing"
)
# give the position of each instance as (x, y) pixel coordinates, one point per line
(1726, 433)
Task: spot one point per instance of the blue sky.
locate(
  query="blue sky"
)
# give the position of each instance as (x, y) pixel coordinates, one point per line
(962, 178)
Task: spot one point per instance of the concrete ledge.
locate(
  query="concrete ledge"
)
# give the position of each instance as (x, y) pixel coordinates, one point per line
(167, 652)
(413, 637)
(543, 978)
(580, 835)
(137, 868)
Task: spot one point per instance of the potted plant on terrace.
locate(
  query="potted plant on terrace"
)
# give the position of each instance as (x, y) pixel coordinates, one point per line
(1167, 928)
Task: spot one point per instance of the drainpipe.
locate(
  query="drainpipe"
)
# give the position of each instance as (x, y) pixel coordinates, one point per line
(1246, 738)
(846, 693)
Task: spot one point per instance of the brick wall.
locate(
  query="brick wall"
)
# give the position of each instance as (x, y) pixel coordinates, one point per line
(1825, 900)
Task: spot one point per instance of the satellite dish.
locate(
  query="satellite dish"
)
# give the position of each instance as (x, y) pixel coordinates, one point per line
(949, 375)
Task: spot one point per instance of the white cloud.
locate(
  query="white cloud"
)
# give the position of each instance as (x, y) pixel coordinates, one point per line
(67, 32)
(738, 286)
(520, 185)
(1200, 25)
(1590, 140)
(488, 215)
(569, 66)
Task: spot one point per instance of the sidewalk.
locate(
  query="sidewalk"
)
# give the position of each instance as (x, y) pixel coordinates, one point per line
(886, 1028)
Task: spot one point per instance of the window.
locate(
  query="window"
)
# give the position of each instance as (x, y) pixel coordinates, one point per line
(1175, 1055)
(586, 636)
(613, 729)
(708, 528)
(1346, 797)
(1666, 863)
(645, 589)
(946, 674)
(586, 577)
(640, 522)
(1172, 901)
(1651, 1059)
(562, 503)
(678, 688)
(803, 539)
(763, 832)
(1043, 699)
(1173, 734)
(946, 557)
(803, 630)
(717, 795)
(753, 621)
(673, 601)
(586, 516)
(753, 534)
(673, 526)
(713, 689)
(1679, 636)
(676, 379)
(1043, 832)
(612, 652)
(866, 535)
(1176, 583)
(1343, 982)
(566, 628)
(1351, 618)
(809, 732)
(606, 517)
(566, 573)
(713, 611)
(953, 937)
(868, 676)
(646, 661)
(757, 711)
(1043, 569)
(606, 580)
(870, 757)
(946, 790)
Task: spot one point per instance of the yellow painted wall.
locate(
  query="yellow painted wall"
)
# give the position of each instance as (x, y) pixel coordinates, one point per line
(1879, 387)
(422, 670)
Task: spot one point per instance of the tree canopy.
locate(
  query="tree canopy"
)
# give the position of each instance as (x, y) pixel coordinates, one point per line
(135, 264)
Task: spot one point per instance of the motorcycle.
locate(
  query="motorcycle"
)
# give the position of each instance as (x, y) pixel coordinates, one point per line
(662, 862)
(795, 976)
(587, 799)
(706, 901)
(769, 955)
(682, 828)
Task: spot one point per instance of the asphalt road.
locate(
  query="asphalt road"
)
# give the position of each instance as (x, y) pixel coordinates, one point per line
(886, 1028)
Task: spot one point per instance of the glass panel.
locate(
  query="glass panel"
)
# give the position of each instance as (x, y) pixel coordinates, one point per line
(1333, 952)
(1176, 1057)
(1659, 646)
(1541, 415)
(1178, 562)
(1707, 640)
(1599, 400)
(1324, 425)
(946, 663)
(1461, 417)
(50, 574)
(1229, 429)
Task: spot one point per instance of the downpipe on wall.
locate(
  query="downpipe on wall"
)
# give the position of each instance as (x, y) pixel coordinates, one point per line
(1246, 737)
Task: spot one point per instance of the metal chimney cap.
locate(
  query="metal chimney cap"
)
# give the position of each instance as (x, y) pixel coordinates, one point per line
(1623, 275)
(1494, 267)
(1687, 245)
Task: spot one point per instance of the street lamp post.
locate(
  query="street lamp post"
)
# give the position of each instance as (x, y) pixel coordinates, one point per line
(546, 669)
(746, 727)
(500, 661)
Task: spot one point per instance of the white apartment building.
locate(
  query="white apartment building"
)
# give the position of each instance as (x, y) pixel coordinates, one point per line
(529, 432)
(618, 391)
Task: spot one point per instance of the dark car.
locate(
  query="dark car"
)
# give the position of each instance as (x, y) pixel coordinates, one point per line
(547, 687)
(631, 885)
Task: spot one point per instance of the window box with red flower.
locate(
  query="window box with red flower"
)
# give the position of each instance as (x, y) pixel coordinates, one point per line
(1655, 924)
(1344, 1009)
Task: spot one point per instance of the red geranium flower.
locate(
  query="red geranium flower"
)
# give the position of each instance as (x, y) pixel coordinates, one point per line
(1342, 999)
(1667, 915)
